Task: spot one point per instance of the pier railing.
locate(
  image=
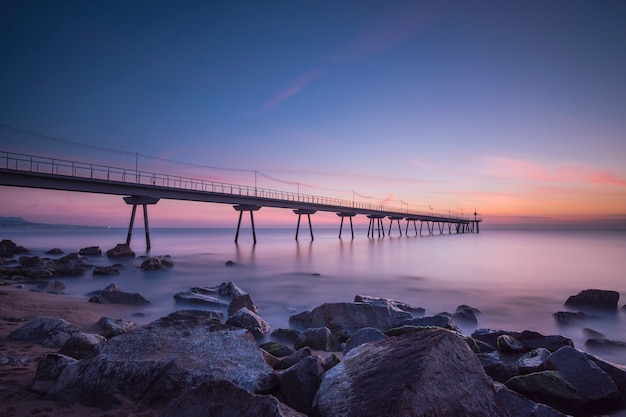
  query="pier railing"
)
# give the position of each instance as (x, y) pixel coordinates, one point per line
(64, 167)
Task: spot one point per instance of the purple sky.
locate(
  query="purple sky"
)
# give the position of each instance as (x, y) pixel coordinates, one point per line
(515, 108)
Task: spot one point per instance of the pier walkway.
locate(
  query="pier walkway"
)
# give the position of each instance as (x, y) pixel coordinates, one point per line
(144, 188)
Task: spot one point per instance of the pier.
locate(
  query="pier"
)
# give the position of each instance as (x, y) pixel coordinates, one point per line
(138, 187)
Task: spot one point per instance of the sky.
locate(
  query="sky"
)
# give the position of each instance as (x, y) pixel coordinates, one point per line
(514, 109)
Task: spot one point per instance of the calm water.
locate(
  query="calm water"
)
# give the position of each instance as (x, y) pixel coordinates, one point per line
(518, 279)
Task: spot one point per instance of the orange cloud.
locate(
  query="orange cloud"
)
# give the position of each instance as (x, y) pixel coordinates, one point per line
(506, 168)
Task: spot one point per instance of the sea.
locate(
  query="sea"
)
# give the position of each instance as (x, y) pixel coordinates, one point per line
(517, 278)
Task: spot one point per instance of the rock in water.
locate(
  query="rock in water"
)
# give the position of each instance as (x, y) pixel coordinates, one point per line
(121, 250)
(347, 316)
(158, 362)
(594, 300)
(429, 373)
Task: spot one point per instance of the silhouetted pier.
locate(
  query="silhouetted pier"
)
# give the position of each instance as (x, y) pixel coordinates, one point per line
(147, 188)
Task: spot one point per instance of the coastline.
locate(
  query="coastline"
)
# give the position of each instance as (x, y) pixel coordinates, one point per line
(17, 306)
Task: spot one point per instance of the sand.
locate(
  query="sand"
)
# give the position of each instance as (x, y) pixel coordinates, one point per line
(17, 306)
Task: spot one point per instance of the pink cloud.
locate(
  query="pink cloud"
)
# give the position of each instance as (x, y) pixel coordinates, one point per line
(523, 170)
(292, 89)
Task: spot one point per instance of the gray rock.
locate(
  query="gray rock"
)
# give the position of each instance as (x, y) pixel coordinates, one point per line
(8, 248)
(466, 316)
(348, 316)
(429, 373)
(286, 335)
(595, 387)
(594, 300)
(55, 251)
(617, 374)
(113, 295)
(317, 338)
(80, 345)
(225, 399)
(572, 384)
(605, 345)
(509, 344)
(240, 302)
(158, 362)
(46, 331)
(520, 406)
(105, 270)
(497, 368)
(197, 295)
(568, 318)
(220, 295)
(250, 321)
(49, 369)
(30, 261)
(299, 383)
(439, 320)
(51, 287)
(367, 334)
(533, 361)
(157, 263)
(115, 327)
(528, 339)
(276, 349)
(392, 304)
(90, 251)
(294, 358)
(121, 250)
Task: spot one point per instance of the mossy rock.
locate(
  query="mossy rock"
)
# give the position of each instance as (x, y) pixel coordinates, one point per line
(276, 349)
(407, 329)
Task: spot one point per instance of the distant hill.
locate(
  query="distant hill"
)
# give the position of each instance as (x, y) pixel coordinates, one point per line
(20, 222)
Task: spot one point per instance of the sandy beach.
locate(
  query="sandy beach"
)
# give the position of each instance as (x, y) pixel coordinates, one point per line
(17, 306)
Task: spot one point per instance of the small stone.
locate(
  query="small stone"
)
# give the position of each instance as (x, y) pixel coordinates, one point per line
(276, 349)
(250, 321)
(509, 344)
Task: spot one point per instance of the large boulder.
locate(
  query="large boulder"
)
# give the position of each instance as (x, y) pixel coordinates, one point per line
(528, 339)
(571, 384)
(225, 399)
(594, 300)
(393, 304)
(299, 383)
(439, 320)
(8, 248)
(428, 373)
(317, 338)
(350, 317)
(47, 331)
(80, 345)
(113, 295)
(158, 362)
(520, 406)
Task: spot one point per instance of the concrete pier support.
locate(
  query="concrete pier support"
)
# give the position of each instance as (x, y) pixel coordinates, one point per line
(144, 201)
(308, 213)
(397, 219)
(408, 221)
(376, 221)
(245, 207)
(350, 216)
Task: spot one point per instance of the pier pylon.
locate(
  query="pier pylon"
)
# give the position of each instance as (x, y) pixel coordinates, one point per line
(245, 207)
(144, 201)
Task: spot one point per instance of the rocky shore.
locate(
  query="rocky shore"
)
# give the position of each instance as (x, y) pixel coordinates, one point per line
(369, 357)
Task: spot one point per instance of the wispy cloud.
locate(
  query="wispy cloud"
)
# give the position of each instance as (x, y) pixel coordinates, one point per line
(295, 87)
